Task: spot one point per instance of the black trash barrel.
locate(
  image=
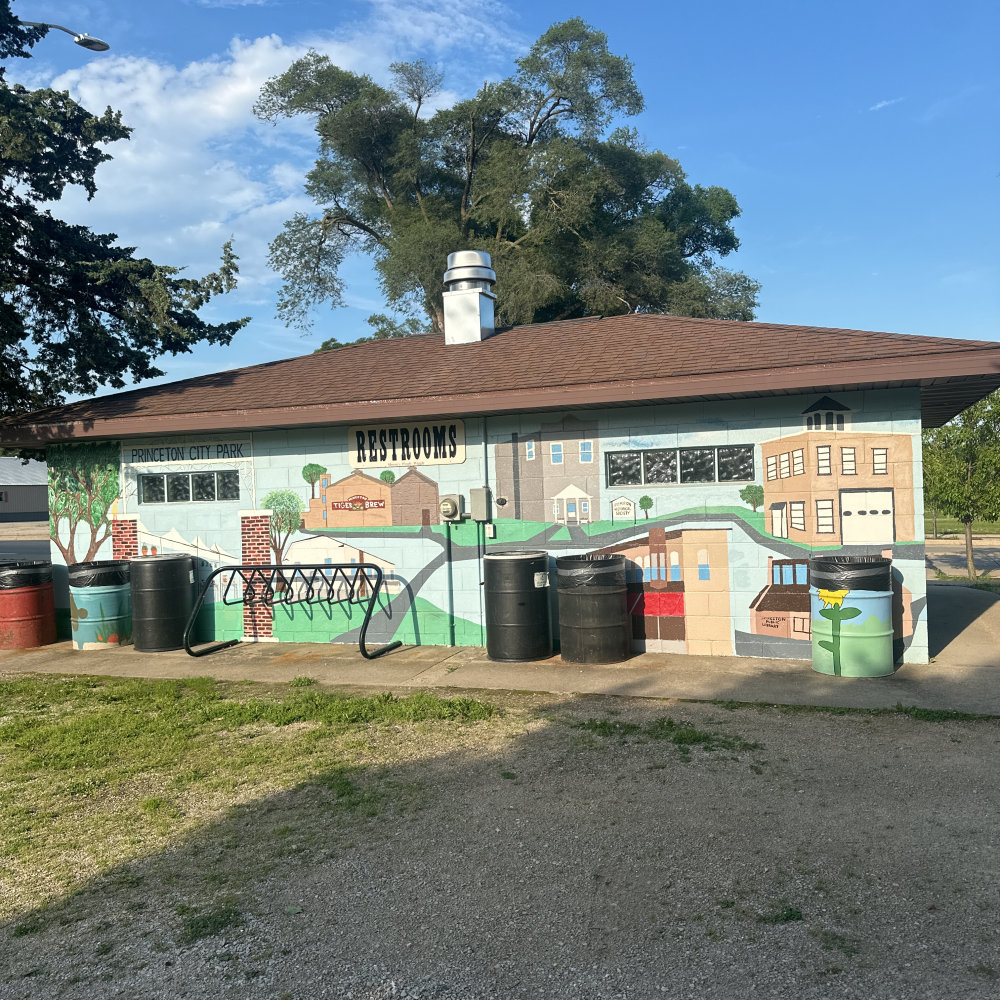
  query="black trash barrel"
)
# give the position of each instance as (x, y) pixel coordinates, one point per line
(100, 604)
(851, 615)
(594, 624)
(516, 587)
(162, 598)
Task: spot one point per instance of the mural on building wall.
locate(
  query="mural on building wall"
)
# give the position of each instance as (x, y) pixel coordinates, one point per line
(84, 490)
(716, 511)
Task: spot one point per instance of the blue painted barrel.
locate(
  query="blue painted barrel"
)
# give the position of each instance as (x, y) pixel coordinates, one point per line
(100, 604)
(850, 601)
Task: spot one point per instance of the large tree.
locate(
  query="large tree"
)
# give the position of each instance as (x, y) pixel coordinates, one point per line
(962, 468)
(579, 219)
(77, 311)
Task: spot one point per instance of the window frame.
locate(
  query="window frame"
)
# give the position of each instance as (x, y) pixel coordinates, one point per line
(142, 477)
(611, 457)
(553, 445)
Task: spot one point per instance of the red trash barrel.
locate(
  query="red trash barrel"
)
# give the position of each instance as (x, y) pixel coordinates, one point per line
(27, 607)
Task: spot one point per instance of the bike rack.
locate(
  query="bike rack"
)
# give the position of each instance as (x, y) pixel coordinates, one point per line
(270, 585)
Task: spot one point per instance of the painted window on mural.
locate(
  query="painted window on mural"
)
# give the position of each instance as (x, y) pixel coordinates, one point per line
(189, 487)
(880, 461)
(675, 567)
(529, 451)
(658, 466)
(823, 460)
(786, 465)
(824, 517)
(827, 419)
(772, 467)
(586, 451)
(556, 452)
(797, 514)
(848, 464)
(704, 570)
(798, 462)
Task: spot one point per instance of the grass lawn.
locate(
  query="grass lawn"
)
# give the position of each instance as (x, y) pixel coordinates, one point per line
(952, 526)
(99, 772)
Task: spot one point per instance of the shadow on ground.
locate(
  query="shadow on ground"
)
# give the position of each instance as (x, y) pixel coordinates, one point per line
(843, 854)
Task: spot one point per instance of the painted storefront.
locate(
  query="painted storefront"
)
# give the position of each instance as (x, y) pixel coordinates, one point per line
(717, 508)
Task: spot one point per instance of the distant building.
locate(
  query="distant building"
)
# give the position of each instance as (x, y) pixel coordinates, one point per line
(24, 492)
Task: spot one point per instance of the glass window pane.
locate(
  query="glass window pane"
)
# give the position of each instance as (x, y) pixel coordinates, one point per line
(801, 573)
(229, 486)
(697, 465)
(151, 489)
(179, 488)
(625, 468)
(203, 484)
(736, 463)
(660, 466)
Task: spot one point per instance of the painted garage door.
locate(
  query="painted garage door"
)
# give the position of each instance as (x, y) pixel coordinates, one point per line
(866, 517)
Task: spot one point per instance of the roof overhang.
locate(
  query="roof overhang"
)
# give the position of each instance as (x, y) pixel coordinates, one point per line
(943, 394)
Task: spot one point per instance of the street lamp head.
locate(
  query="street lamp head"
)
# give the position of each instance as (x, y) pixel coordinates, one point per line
(84, 40)
(89, 42)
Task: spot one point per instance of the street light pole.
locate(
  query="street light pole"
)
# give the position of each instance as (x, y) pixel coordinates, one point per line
(87, 41)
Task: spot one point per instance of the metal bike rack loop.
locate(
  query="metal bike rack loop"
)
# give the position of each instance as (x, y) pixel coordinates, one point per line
(270, 585)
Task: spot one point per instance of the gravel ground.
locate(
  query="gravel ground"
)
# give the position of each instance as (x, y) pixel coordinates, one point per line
(846, 856)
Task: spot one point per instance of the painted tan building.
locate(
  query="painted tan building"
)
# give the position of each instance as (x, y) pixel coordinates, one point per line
(839, 487)
(679, 591)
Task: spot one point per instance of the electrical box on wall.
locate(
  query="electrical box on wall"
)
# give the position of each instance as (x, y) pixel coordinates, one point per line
(451, 507)
(479, 501)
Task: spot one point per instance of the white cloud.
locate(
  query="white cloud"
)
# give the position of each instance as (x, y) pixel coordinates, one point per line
(199, 168)
(885, 104)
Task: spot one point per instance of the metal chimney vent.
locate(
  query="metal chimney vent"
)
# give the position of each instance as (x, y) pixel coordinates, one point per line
(468, 297)
(469, 269)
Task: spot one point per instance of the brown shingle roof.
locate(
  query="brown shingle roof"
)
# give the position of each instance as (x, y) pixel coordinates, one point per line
(576, 363)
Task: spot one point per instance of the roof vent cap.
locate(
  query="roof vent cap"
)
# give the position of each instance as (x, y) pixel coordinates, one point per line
(469, 269)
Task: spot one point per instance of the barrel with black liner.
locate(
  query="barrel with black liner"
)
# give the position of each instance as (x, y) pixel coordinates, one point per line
(27, 605)
(851, 615)
(162, 598)
(594, 624)
(516, 585)
(100, 604)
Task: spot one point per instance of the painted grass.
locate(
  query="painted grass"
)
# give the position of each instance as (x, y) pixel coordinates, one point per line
(434, 627)
(97, 772)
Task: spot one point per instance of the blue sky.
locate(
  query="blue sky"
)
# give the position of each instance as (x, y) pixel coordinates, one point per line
(860, 139)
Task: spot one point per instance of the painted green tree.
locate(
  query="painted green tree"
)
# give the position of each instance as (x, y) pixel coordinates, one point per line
(962, 468)
(83, 487)
(580, 218)
(753, 495)
(286, 515)
(646, 505)
(312, 473)
(388, 477)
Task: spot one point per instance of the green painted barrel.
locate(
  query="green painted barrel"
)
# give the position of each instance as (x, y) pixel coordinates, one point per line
(850, 599)
(100, 604)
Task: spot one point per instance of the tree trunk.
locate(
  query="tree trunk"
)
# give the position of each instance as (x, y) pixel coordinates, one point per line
(968, 551)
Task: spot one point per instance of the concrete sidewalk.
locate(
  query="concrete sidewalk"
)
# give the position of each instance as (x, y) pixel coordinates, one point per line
(964, 675)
